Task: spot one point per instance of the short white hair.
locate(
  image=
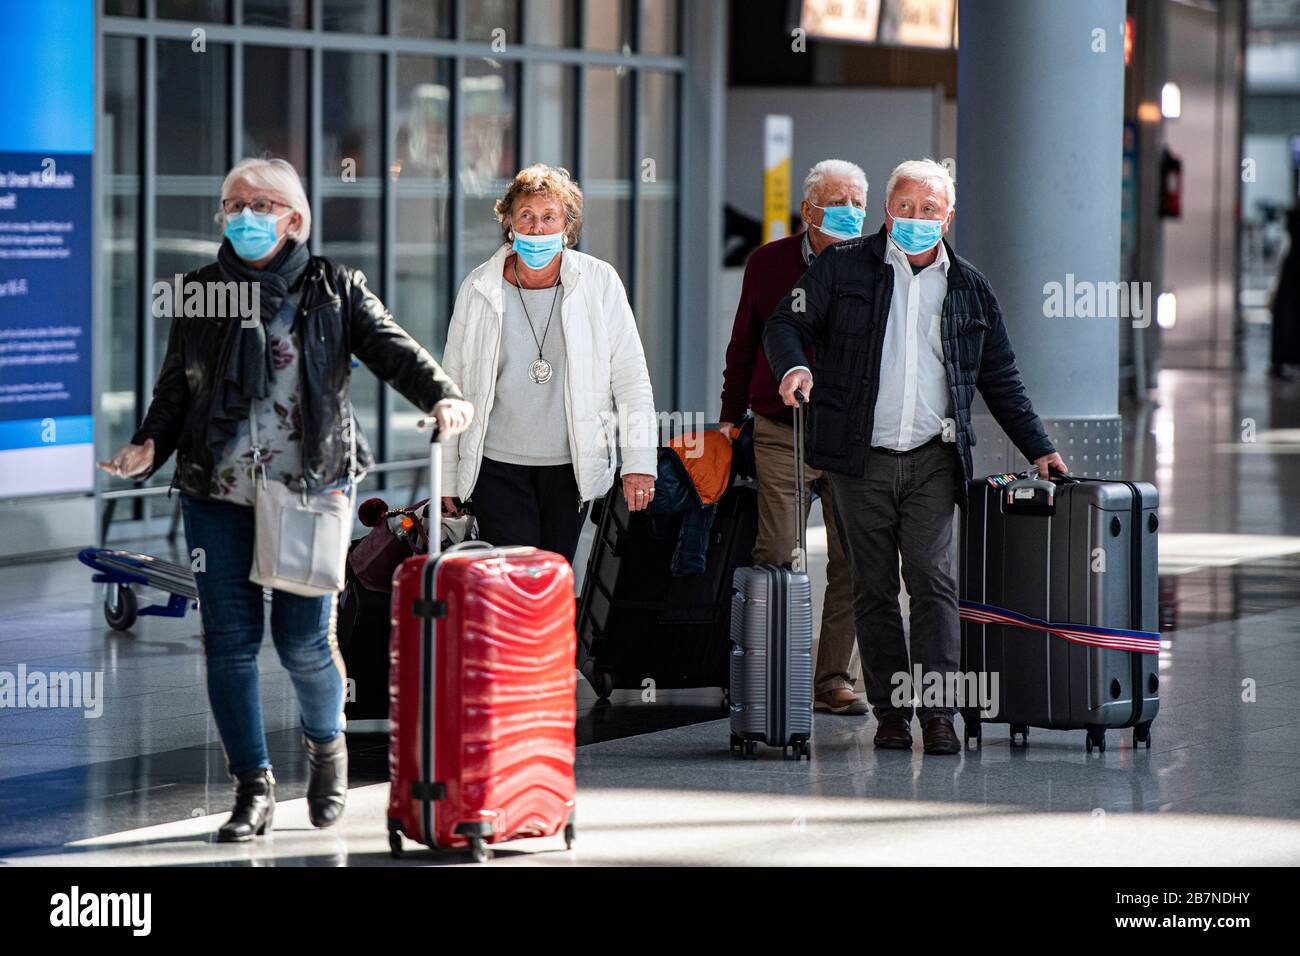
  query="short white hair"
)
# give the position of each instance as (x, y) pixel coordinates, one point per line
(833, 169)
(280, 181)
(923, 171)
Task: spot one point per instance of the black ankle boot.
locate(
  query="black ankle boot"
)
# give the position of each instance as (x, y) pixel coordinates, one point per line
(254, 807)
(327, 787)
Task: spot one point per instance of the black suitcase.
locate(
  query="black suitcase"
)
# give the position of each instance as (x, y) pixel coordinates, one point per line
(364, 617)
(363, 624)
(1059, 601)
(772, 643)
(636, 621)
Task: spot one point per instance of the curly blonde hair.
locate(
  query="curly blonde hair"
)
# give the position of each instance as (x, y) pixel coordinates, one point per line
(542, 180)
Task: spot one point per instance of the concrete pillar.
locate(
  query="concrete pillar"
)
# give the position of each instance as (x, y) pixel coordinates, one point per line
(701, 338)
(1040, 91)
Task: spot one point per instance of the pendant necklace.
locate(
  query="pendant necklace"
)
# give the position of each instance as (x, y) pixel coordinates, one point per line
(540, 370)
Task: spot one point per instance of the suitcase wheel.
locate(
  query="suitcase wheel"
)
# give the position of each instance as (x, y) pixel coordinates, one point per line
(1023, 731)
(1142, 735)
(395, 844)
(803, 750)
(1097, 738)
(971, 729)
(569, 835)
(603, 683)
(736, 742)
(479, 850)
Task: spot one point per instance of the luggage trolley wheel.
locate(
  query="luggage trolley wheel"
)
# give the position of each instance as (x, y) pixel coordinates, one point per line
(1097, 738)
(120, 607)
(1142, 735)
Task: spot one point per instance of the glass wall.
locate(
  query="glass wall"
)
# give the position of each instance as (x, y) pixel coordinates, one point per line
(376, 105)
(120, 168)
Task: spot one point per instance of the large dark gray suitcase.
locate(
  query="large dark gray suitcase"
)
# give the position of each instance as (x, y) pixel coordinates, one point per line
(1059, 600)
(771, 645)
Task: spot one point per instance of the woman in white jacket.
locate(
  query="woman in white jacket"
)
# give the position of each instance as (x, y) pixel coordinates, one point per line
(544, 345)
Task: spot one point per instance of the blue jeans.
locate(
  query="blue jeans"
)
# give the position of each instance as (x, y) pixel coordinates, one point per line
(231, 607)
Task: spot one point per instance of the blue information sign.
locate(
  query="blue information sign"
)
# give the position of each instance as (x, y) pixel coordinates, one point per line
(46, 213)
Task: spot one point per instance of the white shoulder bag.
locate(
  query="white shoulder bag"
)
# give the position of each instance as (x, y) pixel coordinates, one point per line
(301, 538)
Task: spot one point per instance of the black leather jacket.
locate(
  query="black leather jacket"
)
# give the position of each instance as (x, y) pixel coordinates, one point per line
(846, 294)
(338, 317)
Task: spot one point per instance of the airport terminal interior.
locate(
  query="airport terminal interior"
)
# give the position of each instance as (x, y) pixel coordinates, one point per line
(1200, 123)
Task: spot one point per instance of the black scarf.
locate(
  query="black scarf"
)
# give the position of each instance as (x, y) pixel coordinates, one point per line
(245, 361)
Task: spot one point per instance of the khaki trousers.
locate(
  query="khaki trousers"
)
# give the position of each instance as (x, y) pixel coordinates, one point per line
(777, 534)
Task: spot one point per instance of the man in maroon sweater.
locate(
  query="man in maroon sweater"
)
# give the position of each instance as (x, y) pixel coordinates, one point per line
(834, 197)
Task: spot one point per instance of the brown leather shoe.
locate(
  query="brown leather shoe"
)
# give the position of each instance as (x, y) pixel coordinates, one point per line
(840, 700)
(894, 732)
(939, 736)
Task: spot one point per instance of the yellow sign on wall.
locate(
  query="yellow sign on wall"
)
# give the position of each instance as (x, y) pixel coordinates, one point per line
(778, 138)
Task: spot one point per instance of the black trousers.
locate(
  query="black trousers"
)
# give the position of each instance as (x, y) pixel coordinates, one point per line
(533, 505)
(903, 505)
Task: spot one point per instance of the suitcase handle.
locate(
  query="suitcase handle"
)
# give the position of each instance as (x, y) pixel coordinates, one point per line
(1029, 496)
(799, 557)
(435, 479)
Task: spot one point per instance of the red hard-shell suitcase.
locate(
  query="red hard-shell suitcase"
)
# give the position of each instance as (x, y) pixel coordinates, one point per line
(482, 697)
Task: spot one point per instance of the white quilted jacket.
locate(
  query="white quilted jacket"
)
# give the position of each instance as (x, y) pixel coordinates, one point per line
(608, 399)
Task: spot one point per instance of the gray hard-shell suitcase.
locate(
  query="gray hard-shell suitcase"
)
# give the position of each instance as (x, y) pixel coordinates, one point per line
(1077, 555)
(771, 644)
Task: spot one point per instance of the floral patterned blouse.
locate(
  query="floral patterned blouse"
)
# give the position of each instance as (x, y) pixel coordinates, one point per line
(279, 420)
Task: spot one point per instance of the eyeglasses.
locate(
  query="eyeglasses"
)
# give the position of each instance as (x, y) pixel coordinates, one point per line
(261, 205)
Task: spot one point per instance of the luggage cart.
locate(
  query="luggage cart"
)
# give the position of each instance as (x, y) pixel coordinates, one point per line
(123, 570)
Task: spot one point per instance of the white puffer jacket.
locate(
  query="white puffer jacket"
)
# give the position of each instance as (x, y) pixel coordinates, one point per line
(608, 399)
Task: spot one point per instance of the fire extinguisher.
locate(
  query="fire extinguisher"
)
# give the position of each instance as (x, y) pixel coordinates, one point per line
(1171, 185)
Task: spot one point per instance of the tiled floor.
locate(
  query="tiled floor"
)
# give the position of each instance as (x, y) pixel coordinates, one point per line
(144, 782)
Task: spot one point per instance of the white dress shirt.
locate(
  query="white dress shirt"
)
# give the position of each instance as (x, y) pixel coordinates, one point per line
(913, 396)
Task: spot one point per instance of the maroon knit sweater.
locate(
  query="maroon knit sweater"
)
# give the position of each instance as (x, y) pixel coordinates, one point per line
(748, 382)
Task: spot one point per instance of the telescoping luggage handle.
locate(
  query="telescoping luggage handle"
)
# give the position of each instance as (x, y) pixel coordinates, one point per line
(799, 557)
(433, 514)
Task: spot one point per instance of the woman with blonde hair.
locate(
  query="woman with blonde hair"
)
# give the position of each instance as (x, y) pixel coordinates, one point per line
(544, 345)
(287, 370)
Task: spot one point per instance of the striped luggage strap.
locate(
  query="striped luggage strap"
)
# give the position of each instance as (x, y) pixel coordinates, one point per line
(1109, 638)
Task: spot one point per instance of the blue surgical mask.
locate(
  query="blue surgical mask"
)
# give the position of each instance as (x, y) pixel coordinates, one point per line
(253, 234)
(538, 251)
(915, 236)
(841, 222)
